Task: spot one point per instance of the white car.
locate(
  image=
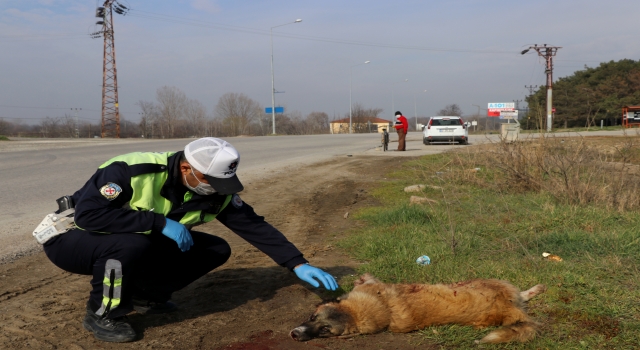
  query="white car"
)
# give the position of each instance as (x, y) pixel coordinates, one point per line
(446, 129)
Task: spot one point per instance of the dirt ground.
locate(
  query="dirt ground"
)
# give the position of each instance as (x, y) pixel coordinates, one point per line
(250, 303)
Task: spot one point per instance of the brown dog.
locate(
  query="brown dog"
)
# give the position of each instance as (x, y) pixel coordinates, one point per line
(373, 306)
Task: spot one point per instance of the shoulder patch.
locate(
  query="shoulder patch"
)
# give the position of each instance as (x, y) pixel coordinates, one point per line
(236, 201)
(110, 191)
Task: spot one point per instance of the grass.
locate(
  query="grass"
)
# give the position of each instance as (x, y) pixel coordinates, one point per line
(488, 225)
(3, 138)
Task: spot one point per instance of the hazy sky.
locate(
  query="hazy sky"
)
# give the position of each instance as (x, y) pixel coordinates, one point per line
(460, 51)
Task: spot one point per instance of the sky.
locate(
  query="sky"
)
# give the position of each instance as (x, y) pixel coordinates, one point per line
(423, 55)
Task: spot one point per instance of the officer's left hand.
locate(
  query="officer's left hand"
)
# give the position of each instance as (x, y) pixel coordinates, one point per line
(307, 273)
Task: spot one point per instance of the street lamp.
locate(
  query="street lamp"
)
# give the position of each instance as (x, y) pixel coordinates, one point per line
(273, 89)
(392, 106)
(415, 109)
(350, 106)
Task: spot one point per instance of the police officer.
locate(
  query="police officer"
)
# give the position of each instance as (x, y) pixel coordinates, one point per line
(134, 234)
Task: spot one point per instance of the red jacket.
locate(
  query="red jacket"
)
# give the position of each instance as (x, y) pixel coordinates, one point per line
(401, 123)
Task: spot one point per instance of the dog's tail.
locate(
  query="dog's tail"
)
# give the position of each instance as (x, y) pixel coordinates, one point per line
(521, 331)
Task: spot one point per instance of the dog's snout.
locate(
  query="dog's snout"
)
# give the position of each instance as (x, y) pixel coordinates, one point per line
(298, 334)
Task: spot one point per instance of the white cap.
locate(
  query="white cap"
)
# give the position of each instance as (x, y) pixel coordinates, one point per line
(218, 161)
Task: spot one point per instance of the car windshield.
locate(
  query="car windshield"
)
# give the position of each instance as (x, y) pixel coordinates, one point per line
(437, 122)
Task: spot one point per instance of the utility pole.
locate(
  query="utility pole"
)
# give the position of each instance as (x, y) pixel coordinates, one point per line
(517, 104)
(547, 52)
(530, 87)
(110, 108)
(77, 127)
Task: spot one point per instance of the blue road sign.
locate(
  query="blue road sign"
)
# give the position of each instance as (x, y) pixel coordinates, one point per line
(278, 110)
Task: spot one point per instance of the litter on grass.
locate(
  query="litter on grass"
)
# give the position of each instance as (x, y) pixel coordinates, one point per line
(423, 260)
(551, 257)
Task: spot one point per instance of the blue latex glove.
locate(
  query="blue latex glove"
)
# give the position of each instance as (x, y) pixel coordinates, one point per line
(307, 273)
(179, 233)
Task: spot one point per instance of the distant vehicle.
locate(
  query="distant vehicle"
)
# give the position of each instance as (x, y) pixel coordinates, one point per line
(445, 129)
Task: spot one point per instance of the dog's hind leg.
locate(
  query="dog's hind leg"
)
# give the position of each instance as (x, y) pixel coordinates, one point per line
(532, 292)
(521, 331)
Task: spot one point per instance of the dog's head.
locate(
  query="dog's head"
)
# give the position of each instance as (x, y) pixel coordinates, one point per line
(329, 320)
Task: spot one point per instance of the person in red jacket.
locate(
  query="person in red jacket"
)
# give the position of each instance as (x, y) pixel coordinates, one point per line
(402, 126)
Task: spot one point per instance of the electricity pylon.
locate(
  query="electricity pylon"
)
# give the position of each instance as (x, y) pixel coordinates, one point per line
(110, 109)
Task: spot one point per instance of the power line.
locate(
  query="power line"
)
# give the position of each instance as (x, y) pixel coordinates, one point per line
(41, 118)
(205, 24)
(33, 107)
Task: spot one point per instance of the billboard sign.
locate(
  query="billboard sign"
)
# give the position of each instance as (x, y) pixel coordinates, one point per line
(501, 106)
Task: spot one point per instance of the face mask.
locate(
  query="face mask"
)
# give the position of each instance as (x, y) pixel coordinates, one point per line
(202, 189)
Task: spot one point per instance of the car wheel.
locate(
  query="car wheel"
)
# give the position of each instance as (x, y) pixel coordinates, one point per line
(425, 142)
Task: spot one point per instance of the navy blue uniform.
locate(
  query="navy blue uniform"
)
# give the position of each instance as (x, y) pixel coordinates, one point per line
(153, 265)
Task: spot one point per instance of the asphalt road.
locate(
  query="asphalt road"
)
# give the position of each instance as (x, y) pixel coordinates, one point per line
(33, 173)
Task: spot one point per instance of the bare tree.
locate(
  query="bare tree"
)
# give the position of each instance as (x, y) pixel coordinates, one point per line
(317, 123)
(195, 114)
(67, 126)
(361, 118)
(237, 112)
(291, 124)
(4, 127)
(171, 107)
(150, 122)
(452, 109)
(48, 127)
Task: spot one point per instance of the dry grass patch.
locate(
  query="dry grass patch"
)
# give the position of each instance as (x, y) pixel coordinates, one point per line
(576, 170)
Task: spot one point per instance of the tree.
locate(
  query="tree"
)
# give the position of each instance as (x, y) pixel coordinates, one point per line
(360, 117)
(172, 103)
(149, 122)
(591, 94)
(317, 123)
(237, 112)
(195, 118)
(452, 109)
(4, 127)
(49, 127)
(67, 126)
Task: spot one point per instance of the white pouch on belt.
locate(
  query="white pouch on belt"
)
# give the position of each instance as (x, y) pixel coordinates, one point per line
(54, 225)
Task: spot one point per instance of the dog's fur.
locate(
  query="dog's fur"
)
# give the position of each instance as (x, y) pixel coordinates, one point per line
(373, 306)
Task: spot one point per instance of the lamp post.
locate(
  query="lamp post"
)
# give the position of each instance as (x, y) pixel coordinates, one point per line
(415, 109)
(273, 89)
(392, 106)
(350, 105)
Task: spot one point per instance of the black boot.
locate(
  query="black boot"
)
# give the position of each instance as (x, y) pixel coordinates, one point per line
(110, 330)
(147, 307)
